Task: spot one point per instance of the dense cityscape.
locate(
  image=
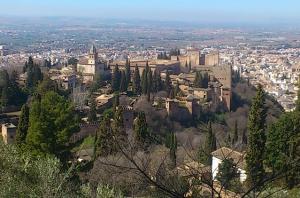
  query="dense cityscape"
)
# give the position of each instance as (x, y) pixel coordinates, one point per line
(97, 107)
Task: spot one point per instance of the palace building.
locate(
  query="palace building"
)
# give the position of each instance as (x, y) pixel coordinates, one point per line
(89, 66)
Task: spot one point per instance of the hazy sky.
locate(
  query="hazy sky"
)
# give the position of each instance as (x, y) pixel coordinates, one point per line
(177, 10)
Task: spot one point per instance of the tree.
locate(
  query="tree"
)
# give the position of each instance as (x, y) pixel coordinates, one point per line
(123, 82)
(157, 84)
(235, 133)
(171, 143)
(119, 130)
(168, 84)
(16, 95)
(144, 83)
(127, 72)
(4, 88)
(34, 74)
(47, 85)
(201, 80)
(92, 116)
(4, 97)
(198, 80)
(149, 82)
(140, 129)
(116, 77)
(176, 89)
(105, 143)
(116, 102)
(228, 172)
(256, 138)
(298, 101)
(137, 81)
(209, 146)
(51, 124)
(23, 125)
(281, 156)
(98, 82)
(10, 92)
(27, 175)
(72, 61)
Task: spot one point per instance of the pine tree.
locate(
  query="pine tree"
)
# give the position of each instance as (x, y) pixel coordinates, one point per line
(51, 124)
(23, 125)
(281, 155)
(256, 139)
(137, 81)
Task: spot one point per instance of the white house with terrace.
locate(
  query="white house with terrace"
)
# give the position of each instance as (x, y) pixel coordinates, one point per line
(226, 153)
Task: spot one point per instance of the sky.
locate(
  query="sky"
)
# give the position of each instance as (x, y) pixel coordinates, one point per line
(162, 10)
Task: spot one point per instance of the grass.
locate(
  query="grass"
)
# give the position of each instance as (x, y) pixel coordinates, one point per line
(87, 143)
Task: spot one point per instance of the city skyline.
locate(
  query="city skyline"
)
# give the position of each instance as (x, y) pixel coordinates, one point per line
(217, 11)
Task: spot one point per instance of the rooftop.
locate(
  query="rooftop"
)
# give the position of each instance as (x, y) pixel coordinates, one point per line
(227, 153)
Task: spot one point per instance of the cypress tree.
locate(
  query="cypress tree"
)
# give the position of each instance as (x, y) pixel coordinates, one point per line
(137, 81)
(173, 149)
(168, 85)
(298, 101)
(92, 116)
(235, 133)
(116, 102)
(144, 82)
(23, 125)
(172, 94)
(209, 146)
(34, 74)
(105, 143)
(140, 129)
(127, 73)
(149, 82)
(119, 130)
(116, 79)
(4, 97)
(176, 89)
(256, 139)
(123, 82)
